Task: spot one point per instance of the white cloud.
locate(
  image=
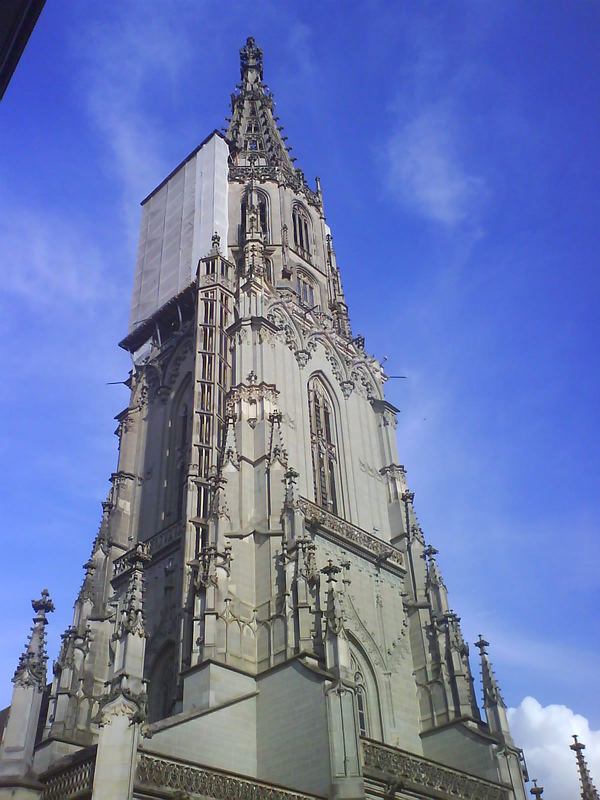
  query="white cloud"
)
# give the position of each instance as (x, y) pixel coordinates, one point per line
(544, 733)
(426, 171)
(126, 54)
(48, 261)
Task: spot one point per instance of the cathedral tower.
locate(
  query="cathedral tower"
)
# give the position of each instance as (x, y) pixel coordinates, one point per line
(261, 614)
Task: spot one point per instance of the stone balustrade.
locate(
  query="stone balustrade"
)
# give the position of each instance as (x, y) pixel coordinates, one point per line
(350, 534)
(72, 781)
(404, 770)
(156, 772)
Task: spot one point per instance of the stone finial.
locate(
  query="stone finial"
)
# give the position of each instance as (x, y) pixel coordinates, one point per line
(216, 242)
(289, 479)
(482, 644)
(536, 790)
(31, 669)
(588, 790)
(231, 454)
(251, 59)
(330, 571)
(277, 451)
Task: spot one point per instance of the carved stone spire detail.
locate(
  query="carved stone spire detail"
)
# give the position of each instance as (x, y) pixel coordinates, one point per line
(536, 791)
(31, 670)
(491, 689)
(588, 790)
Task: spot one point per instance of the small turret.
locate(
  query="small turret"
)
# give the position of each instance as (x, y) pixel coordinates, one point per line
(16, 752)
(588, 790)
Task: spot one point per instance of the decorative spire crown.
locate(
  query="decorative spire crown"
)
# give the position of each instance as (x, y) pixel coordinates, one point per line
(251, 58)
(259, 150)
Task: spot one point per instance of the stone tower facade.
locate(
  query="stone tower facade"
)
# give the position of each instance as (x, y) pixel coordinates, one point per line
(261, 615)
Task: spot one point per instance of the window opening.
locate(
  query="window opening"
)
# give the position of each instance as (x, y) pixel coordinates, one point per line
(306, 294)
(323, 446)
(301, 229)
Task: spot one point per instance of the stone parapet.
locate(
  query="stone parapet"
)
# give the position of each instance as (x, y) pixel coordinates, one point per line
(403, 770)
(346, 533)
(75, 780)
(156, 772)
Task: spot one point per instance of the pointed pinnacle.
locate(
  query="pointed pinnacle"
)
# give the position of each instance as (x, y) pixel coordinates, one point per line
(588, 790)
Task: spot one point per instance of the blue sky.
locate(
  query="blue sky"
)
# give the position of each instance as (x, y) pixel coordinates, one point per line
(457, 146)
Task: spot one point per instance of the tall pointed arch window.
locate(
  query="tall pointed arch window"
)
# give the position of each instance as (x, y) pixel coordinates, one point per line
(301, 228)
(361, 698)
(323, 446)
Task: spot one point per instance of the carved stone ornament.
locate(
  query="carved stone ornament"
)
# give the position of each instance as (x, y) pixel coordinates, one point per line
(347, 387)
(153, 771)
(121, 701)
(418, 772)
(302, 357)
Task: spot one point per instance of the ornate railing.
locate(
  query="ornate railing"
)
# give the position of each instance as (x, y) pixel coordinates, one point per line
(165, 537)
(165, 773)
(413, 772)
(75, 780)
(351, 534)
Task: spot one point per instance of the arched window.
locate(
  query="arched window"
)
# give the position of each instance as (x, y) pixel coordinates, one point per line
(262, 207)
(367, 696)
(306, 292)
(323, 446)
(301, 227)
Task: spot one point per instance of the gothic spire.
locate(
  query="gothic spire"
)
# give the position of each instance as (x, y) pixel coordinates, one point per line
(493, 702)
(31, 669)
(588, 790)
(253, 129)
(491, 690)
(434, 583)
